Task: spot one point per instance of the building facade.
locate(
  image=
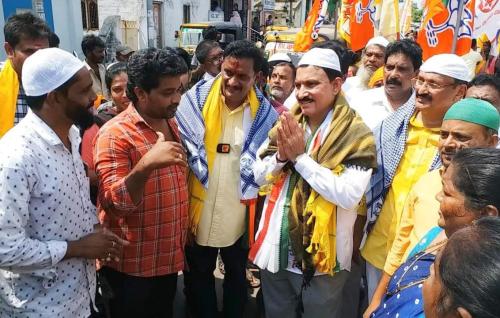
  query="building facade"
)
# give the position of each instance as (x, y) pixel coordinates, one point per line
(63, 17)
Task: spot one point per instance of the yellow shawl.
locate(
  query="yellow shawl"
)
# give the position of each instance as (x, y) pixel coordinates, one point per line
(212, 116)
(312, 219)
(9, 89)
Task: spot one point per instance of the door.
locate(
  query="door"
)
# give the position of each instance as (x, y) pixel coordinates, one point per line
(157, 20)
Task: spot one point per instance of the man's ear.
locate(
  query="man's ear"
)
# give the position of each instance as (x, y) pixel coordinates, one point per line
(463, 313)
(337, 85)
(140, 93)
(8, 49)
(494, 140)
(490, 210)
(460, 93)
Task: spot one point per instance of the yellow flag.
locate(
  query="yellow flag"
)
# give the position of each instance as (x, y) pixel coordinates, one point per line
(388, 26)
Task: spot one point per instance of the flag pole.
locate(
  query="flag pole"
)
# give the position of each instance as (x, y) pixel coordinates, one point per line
(336, 18)
(457, 25)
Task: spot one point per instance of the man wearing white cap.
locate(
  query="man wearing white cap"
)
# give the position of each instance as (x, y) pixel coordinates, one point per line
(282, 78)
(406, 149)
(371, 59)
(315, 166)
(49, 245)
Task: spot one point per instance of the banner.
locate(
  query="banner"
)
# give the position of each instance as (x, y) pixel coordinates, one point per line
(361, 23)
(487, 19)
(438, 27)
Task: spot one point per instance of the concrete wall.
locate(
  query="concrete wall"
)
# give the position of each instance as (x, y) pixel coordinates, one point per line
(63, 16)
(172, 13)
(68, 24)
(128, 10)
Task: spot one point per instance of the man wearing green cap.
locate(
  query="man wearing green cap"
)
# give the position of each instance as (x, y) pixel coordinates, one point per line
(469, 123)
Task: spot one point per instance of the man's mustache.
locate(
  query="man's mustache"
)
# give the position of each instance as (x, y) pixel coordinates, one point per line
(305, 100)
(424, 97)
(393, 81)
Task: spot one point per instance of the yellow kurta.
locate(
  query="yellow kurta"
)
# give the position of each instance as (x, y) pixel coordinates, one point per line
(420, 150)
(420, 214)
(223, 218)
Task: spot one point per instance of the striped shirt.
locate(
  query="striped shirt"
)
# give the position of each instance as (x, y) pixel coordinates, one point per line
(156, 227)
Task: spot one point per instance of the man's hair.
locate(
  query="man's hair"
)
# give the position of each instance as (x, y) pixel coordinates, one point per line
(346, 56)
(53, 40)
(209, 33)
(184, 55)
(36, 102)
(290, 65)
(114, 70)
(265, 69)
(486, 80)
(90, 42)
(146, 67)
(245, 49)
(408, 48)
(24, 25)
(203, 49)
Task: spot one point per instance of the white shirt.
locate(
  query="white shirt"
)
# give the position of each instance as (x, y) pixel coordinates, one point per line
(471, 59)
(207, 76)
(44, 202)
(351, 87)
(344, 190)
(373, 106)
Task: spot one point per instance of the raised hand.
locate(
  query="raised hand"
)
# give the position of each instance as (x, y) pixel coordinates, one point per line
(165, 153)
(291, 142)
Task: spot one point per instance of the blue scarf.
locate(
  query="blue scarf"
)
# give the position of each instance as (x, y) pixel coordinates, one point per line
(192, 130)
(390, 138)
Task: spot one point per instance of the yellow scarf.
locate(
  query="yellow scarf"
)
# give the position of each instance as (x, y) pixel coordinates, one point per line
(212, 116)
(9, 89)
(312, 219)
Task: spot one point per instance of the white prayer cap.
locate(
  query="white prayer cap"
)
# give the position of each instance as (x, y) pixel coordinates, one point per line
(379, 40)
(280, 57)
(47, 69)
(447, 64)
(326, 58)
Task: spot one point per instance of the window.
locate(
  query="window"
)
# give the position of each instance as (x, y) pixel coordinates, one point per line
(90, 19)
(186, 14)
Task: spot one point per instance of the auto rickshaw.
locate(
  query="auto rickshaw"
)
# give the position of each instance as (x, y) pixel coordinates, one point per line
(282, 41)
(190, 34)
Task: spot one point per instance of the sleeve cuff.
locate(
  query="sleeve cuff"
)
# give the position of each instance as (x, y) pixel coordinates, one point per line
(118, 197)
(303, 164)
(57, 250)
(277, 164)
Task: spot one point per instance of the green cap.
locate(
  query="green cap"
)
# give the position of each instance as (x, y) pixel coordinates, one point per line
(475, 111)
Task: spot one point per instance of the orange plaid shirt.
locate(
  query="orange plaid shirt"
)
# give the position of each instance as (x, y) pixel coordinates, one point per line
(156, 227)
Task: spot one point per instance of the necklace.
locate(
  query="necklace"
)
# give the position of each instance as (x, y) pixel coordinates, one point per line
(429, 250)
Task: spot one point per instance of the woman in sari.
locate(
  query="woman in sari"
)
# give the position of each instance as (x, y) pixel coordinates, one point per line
(471, 289)
(470, 192)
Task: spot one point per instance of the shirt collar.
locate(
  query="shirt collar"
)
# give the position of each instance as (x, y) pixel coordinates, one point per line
(47, 133)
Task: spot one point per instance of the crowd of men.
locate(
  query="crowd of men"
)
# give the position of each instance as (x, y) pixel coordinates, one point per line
(372, 195)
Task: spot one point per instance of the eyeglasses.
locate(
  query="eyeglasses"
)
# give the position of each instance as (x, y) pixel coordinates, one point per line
(416, 82)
